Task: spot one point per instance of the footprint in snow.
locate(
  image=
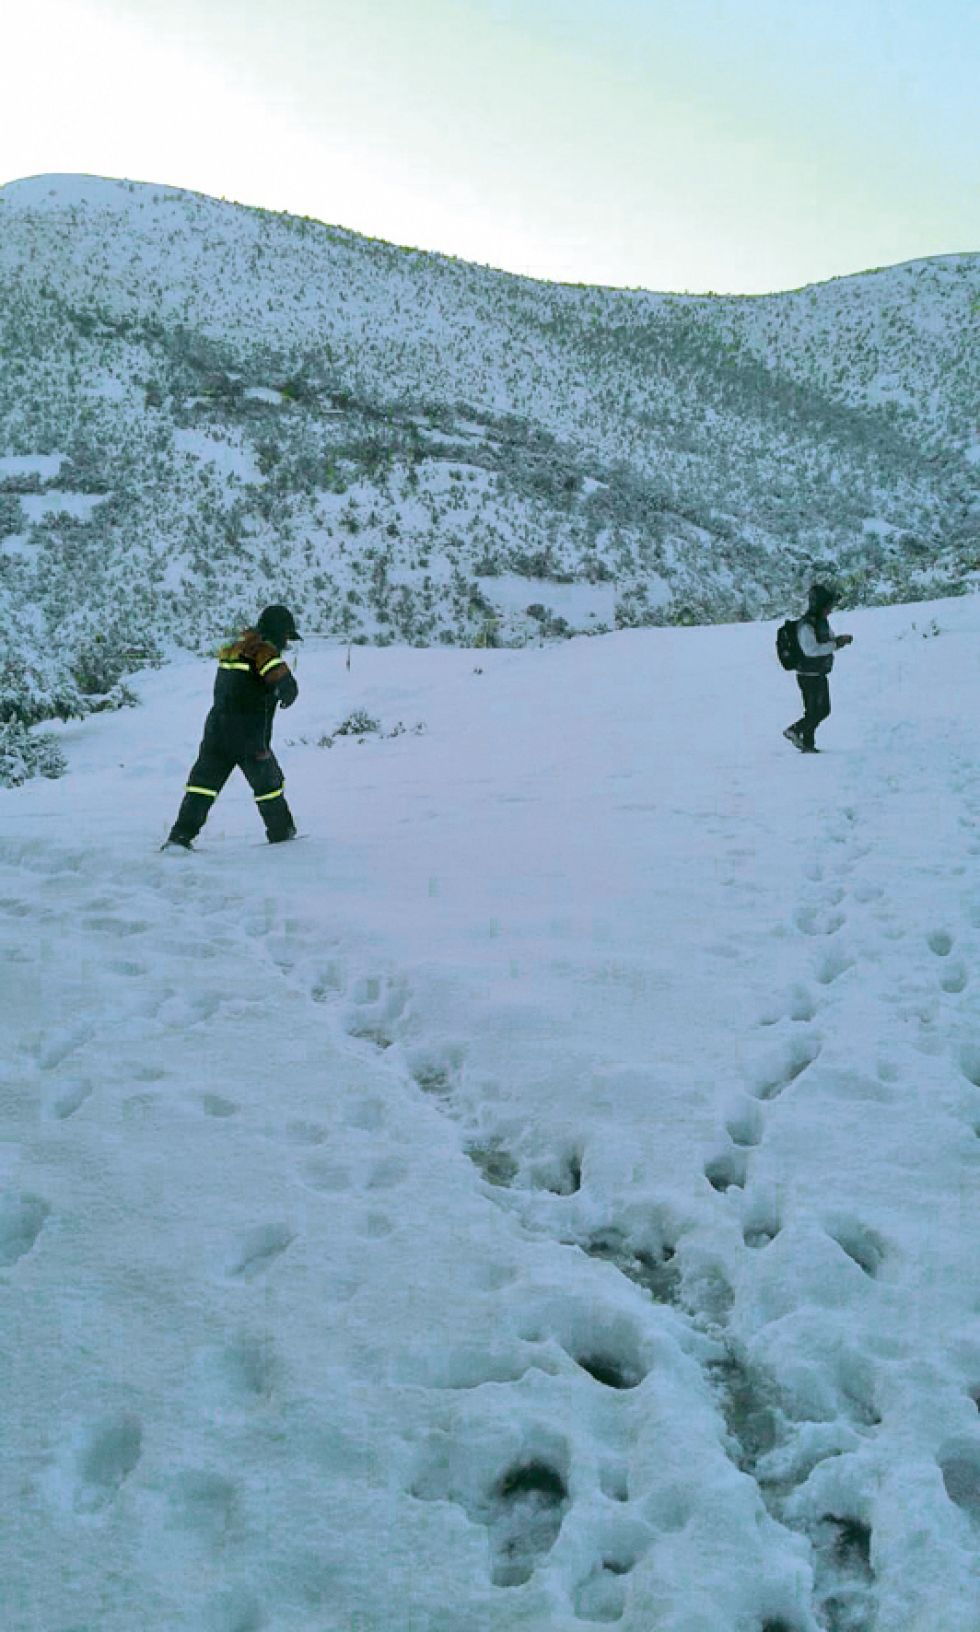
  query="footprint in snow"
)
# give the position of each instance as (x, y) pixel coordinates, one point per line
(862, 1245)
(108, 1454)
(13, 907)
(745, 1125)
(761, 1222)
(818, 920)
(329, 1176)
(259, 1250)
(843, 1577)
(437, 1070)
(55, 1046)
(107, 924)
(831, 965)
(21, 1222)
(649, 1263)
(774, 1075)
(970, 1063)
(560, 1174)
(387, 1173)
(959, 1463)
(204, 1503)
(329, 983)
(376, 1010)
(867, 892)
(750, 1405)
(522, 1509)
(954, 979)
(728, 1170)
(66, 1097)
(794, 1004)
(247, 1369)
(524, 1515)
(304, 1132)
(217, 1105)
(493, 1161)
(602, 1596)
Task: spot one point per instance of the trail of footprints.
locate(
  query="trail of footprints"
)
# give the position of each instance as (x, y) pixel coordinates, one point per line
(524, 1500)
(844, 1578)
(759, 1421)
(524, 1505)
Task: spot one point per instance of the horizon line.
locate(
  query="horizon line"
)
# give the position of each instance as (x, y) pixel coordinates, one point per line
(486, 266)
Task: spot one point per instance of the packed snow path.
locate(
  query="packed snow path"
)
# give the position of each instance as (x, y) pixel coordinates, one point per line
(545, 1197)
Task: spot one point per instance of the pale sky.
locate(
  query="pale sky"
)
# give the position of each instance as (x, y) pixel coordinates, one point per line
(733, 145)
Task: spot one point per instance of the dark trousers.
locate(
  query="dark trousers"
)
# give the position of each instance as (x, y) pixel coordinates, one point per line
(223, 747)
(816, 705)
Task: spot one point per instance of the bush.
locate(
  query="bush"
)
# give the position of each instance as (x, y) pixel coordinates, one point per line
(358, 724)
(97, 669)
(24, 754)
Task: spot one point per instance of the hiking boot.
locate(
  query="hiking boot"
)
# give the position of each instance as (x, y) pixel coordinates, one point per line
(175, 842)
(281, 838)
(792, 735)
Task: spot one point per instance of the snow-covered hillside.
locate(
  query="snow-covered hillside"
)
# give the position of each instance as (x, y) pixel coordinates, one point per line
(543, 1197)
(200, 402)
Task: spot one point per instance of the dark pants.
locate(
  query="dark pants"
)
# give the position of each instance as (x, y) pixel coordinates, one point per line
(225, 744)
(816, 704)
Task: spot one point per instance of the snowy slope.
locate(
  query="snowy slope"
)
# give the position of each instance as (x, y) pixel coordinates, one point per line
(543, 1197)
(420, 450)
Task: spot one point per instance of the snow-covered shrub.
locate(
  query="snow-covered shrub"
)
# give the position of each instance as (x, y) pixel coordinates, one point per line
(11, 514)
(31, 691)
(24, 754)
(99, 666)
(358, 724)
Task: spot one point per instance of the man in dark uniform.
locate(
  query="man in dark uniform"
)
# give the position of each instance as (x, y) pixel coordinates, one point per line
(817, 643)
(252, 678)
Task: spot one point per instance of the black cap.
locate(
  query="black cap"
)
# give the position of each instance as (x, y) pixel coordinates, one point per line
(276, 623)
(822, 596)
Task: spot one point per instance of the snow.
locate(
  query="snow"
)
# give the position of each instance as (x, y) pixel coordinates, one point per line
(228, 459)
(543, 1197)
(59, 192)
(31, 464)
(52, 503)
(513, 593)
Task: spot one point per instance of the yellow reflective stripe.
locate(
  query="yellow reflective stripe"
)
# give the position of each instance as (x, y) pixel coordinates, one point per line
(210, 793)
(270, 665)
(245, 666)
(260, 796)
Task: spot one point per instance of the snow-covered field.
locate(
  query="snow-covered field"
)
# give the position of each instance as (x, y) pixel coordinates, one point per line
(545, 1196)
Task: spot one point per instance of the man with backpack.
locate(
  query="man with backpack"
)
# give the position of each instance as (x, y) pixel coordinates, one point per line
(813, 658)
(251, 681)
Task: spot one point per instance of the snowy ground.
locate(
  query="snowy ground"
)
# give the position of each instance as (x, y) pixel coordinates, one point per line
(543, 1197)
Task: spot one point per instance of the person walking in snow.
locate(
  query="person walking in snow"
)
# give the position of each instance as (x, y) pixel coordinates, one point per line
(817, 644)
(252, 678)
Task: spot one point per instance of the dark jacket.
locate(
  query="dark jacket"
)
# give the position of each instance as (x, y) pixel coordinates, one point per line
(251, 679)
(814, 631)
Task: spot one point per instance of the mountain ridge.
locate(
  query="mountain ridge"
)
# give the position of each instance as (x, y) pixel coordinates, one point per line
(16, 190)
